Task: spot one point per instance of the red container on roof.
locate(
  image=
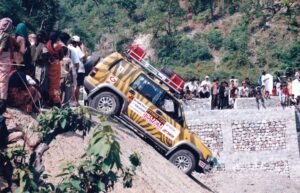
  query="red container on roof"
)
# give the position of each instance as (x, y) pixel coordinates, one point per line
(174, 80)
(136, 52)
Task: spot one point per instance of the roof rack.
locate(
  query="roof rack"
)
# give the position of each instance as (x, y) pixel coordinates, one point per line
(137, 55)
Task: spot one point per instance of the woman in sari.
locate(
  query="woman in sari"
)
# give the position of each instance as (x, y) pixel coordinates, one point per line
(56, 54)
(6, 56)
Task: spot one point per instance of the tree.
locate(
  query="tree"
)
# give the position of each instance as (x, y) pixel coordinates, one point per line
(196, 6)
(37, 14)
(288, 4)
(163, 16)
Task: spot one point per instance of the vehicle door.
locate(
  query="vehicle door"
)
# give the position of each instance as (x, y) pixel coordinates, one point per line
(144, 94)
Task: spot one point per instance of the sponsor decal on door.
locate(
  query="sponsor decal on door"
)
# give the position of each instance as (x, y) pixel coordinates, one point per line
(154, 119)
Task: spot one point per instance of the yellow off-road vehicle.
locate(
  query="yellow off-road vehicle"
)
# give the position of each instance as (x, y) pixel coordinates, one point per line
(143, 98)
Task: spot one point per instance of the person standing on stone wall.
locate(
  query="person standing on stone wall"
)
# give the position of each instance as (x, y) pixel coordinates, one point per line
(259, 97)
(214, 94)
(233, 92)
(197, 88)
(290, 88)
(296, 88)
(222, 91)
(267, 81)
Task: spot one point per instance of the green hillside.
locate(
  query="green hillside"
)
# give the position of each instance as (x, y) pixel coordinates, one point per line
(221, 38)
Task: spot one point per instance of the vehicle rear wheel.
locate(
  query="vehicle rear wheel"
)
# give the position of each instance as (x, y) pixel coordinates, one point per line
(184, 160)
(107, 103)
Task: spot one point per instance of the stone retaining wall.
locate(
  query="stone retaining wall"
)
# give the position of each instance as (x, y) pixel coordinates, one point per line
(260, 135)
(211, 134)
(280, 167)
(250, 139)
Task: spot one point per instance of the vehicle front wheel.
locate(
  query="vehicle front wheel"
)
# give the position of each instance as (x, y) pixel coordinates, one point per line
(106, 103)
(184, 160)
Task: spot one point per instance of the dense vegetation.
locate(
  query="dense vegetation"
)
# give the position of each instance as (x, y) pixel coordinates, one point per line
(259, 34)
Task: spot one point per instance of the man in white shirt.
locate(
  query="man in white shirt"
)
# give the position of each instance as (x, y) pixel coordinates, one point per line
(206, 82)
(296, 88)
(267, 81)
(77, 56)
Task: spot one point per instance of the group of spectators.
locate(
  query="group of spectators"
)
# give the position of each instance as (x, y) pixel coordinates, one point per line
(45, 68)
(224, 94)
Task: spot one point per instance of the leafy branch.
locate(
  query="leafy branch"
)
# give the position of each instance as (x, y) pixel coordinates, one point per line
(102, 166)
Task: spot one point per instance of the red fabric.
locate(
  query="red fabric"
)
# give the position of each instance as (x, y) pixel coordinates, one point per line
(54, 71)
(285, 91)
(274, 92)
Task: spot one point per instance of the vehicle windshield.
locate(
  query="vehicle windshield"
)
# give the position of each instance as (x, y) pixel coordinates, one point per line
(159, 97)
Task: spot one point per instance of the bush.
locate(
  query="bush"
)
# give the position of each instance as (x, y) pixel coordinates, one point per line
(236, 59)
(59, 120)
(101, 167)
(289, 56)
(237, 39)
(215, 39)
(236, 45)
(180, 51)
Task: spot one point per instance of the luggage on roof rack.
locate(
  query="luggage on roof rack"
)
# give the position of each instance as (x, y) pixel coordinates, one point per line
(166, 75)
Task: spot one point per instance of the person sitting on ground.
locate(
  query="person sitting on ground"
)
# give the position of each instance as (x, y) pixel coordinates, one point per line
(188, 94)
(204, 91)
(244, 90)
(22, 93)
(274, 91)
(293, 101)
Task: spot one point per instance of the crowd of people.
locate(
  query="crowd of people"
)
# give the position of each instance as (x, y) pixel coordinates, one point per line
(39, 68)
(48, 69)
(224, 94)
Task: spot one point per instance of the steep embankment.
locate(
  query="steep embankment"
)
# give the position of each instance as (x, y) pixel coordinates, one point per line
(155, 175)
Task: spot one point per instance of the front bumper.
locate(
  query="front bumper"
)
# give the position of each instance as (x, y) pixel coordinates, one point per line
(207, 165)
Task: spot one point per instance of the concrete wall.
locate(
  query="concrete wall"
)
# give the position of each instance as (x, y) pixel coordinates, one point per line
(250, 139)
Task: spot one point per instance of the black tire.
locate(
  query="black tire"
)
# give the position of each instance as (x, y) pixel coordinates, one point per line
(184, 160)
(106, 103)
